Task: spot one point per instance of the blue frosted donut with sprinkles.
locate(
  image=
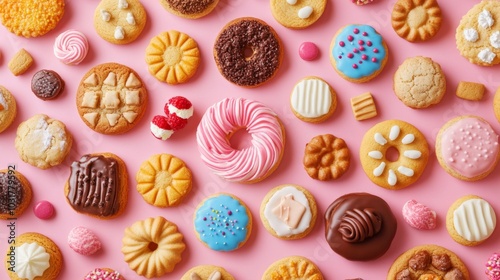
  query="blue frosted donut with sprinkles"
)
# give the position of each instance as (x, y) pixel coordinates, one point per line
(358, 53)
(222, 222)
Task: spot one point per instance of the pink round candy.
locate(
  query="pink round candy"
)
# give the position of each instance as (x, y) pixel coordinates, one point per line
(43, 210)
(308, 51)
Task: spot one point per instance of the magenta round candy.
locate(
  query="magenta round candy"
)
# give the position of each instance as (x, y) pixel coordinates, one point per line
(308, 51)
(44, 210)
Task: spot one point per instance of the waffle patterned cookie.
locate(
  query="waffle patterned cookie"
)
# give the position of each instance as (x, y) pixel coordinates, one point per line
(111, 98)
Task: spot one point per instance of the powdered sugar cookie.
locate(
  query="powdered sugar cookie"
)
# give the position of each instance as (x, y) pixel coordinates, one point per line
(8, 108)
(313, 100)
(478, 34)
(416, 20)
(191, 9)
(297, 14)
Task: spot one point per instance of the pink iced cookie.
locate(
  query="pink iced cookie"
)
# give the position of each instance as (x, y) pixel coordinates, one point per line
(83, 241)
(308, 51)
(43, 210)
(361, 2)
(493, 267)
(418, 215)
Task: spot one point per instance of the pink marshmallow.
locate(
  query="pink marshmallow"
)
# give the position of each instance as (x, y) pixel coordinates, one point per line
(83, 241)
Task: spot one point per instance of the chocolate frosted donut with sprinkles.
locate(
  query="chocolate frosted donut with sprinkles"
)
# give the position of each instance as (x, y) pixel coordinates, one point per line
(358, 53)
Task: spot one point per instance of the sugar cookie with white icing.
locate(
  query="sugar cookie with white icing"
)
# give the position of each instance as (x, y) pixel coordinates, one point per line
(297, 14)
(288, 212)
(313, 100)
(386, 171)
(470, 220)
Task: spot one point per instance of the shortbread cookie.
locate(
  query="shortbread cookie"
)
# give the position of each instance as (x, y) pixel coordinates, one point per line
(103, 173)
(20, 62)
(288, 212)
(36, 257)
(313, 100)
(412, 149)
(470, 220)
(416, 20)
(111, 98)
(119, 21)
(191, 9)
(478, 34)
(172, 57)
(15, 193)
(428, 262)
(42, 141)
(297, 14)
(47, 84)
(230, 226)
(358, 53)
(163, 180)
(496, 104)
(293, 267)
(467, 148)
(30, 18)
(152, 247)
(363, 106)
(207, 272)
(326, 157)
(103, 274)
(470, 91)
(8, 108)
(419, 82)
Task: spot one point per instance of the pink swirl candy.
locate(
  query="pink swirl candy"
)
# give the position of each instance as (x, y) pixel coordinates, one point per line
(71, 47)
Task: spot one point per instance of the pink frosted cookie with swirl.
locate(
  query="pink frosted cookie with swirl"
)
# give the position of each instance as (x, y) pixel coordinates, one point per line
(251, 164)
(71, 47)
(467, 148)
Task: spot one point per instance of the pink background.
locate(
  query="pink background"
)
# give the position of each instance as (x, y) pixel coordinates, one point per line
(435, 188)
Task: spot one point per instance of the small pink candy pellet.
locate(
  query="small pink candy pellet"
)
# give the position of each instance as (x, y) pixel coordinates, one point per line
(308, 51)
(43, 210)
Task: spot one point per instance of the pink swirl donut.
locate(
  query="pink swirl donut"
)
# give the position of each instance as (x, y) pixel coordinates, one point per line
(71, 47)
(248, 165)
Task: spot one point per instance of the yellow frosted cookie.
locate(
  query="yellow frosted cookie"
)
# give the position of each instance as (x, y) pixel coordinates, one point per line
(8, 108)
(31, 18)
(163, 180)
(207, 272)
(191, 9)
(416, 20)
(292, 268)
(297, 14)
(172, 57)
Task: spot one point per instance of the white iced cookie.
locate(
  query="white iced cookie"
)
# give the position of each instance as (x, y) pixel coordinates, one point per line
(313, 100)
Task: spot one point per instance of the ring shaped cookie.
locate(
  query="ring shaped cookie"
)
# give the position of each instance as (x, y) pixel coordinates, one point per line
(248, 165)
(248, 52)
(413, 154)
(297, 14)
(416, 20)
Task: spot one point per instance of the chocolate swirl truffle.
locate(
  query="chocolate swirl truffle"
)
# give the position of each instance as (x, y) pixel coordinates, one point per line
(97, 185)
(360, 226)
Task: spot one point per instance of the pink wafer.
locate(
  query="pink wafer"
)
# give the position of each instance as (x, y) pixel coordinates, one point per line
(418, 215)
(83, 241)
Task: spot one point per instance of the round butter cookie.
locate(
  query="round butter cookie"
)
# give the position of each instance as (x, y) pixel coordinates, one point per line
(403, 139)
(313, 100)
(478, 34)
(467, 148)
(31, 18)
(191, 9)
(289, 212)
(470, 220)
(8, 108)
(297, 14)
(416, 20)
(428, 262)
(163, 180)
(42, 141)
(419, 82)
(119, 21)
(293, 267)
(358, 53)
(111, 98)
(36, 257)
(326, 157)
(93, 174)
(230, 226)
(207, 272)
(172, 57)
(496, 105)
(152, 247)
(15, 193)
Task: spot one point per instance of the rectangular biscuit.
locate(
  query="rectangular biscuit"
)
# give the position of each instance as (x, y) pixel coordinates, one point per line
(20, 63)
(363, 106)
(470, 91)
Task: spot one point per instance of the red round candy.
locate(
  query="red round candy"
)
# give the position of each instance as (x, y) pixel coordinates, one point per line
(361, 42)
(355, 66)
(356, 31)
(350, 38)
(369, 43)
(309, 51)
(342, 44)
(355, 51)
(43, 210)
(350, 55)
(364, 57)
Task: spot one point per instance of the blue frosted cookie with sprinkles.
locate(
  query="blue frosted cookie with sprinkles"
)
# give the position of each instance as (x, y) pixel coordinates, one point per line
(222, 222)
(358, 53)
